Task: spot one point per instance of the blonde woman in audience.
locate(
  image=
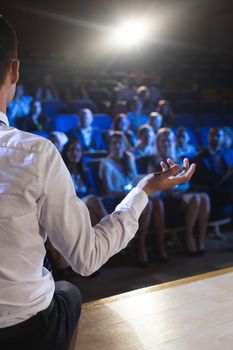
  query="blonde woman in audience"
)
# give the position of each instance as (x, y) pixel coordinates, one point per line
(195, 206)
(119, 174)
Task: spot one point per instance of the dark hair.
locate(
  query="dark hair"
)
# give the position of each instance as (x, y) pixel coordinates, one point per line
(118, 135)
(8, 47)
(80, 165)
(117, 119)
(180, 131)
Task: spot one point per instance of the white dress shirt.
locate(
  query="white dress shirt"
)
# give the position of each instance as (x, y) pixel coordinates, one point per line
(37, 196)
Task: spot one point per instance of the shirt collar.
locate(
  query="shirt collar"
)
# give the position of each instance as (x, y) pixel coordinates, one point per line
(4, 118)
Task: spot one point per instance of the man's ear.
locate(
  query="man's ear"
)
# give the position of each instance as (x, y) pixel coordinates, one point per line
(14, 70)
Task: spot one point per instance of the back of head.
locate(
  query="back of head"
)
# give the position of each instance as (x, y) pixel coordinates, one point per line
(8, 47)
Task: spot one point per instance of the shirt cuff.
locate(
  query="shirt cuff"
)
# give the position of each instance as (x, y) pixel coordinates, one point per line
(136, 199)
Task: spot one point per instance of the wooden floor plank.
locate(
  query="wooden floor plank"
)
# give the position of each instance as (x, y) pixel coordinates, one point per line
(189, 314)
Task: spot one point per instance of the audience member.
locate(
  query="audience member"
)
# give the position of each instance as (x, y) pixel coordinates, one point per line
(77, 91)
(183, 147)
(215, 170)
(82, 179)
(48, 90)
(127, 91)
(19, 108)
(36, 120)
(88, 135)
(121, 123)
(155, 120)
(59, 139)
(136, 114)
(146, 142)
(165, 109)
(194, 206)
(228, 137)
(38, 199)
(118, 173)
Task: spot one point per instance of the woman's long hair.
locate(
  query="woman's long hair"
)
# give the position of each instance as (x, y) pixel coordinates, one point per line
(80, 166)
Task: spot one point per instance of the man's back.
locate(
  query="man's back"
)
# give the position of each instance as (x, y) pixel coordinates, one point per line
(25, 285)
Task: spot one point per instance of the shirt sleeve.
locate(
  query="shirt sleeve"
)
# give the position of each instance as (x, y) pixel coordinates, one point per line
(66, 219)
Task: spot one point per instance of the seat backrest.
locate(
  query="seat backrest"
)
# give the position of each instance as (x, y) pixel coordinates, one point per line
(64, 122)
(203, 136)
(51, 108)
(211, 120)
(41, 133)
(102, 121)
(185, 120)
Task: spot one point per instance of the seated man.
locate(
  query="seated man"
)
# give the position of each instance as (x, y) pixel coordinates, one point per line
(38, 199)
(89, 136)
(215, 170)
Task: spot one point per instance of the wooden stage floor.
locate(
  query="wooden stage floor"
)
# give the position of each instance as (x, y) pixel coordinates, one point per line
(187, 314)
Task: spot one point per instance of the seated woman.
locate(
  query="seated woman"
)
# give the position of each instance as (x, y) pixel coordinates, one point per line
(85, 189)
(146, 142)
(118, 173)
(183, 147)
(196, 206)
(83, 182)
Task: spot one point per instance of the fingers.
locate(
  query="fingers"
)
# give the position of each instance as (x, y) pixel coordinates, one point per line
(186, 164)
(170, 162)
(171, 171)
(163, 166)
(186, 176)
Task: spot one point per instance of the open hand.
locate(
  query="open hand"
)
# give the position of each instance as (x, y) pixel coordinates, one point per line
(171, 175)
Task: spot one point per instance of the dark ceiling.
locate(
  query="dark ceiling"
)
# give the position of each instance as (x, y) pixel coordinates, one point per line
(73, 25)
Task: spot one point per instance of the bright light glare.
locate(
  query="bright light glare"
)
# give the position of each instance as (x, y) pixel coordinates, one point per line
(130, 33)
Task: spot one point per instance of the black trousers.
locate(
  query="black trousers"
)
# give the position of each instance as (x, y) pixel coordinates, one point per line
(50, 329)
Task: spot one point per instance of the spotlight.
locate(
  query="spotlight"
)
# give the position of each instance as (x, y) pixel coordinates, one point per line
(130, 33)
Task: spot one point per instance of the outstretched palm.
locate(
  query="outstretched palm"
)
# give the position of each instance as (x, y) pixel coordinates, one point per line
(168, 178)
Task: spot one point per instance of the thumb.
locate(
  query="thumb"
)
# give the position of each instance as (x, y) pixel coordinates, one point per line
(171, 171)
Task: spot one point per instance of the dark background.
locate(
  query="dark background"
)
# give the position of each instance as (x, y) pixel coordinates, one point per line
(79, 28)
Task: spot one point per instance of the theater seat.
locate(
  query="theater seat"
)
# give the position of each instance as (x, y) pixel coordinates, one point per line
(51, 108)
(211, 120)
(64, 122)
(186, 120)
(102, 121)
